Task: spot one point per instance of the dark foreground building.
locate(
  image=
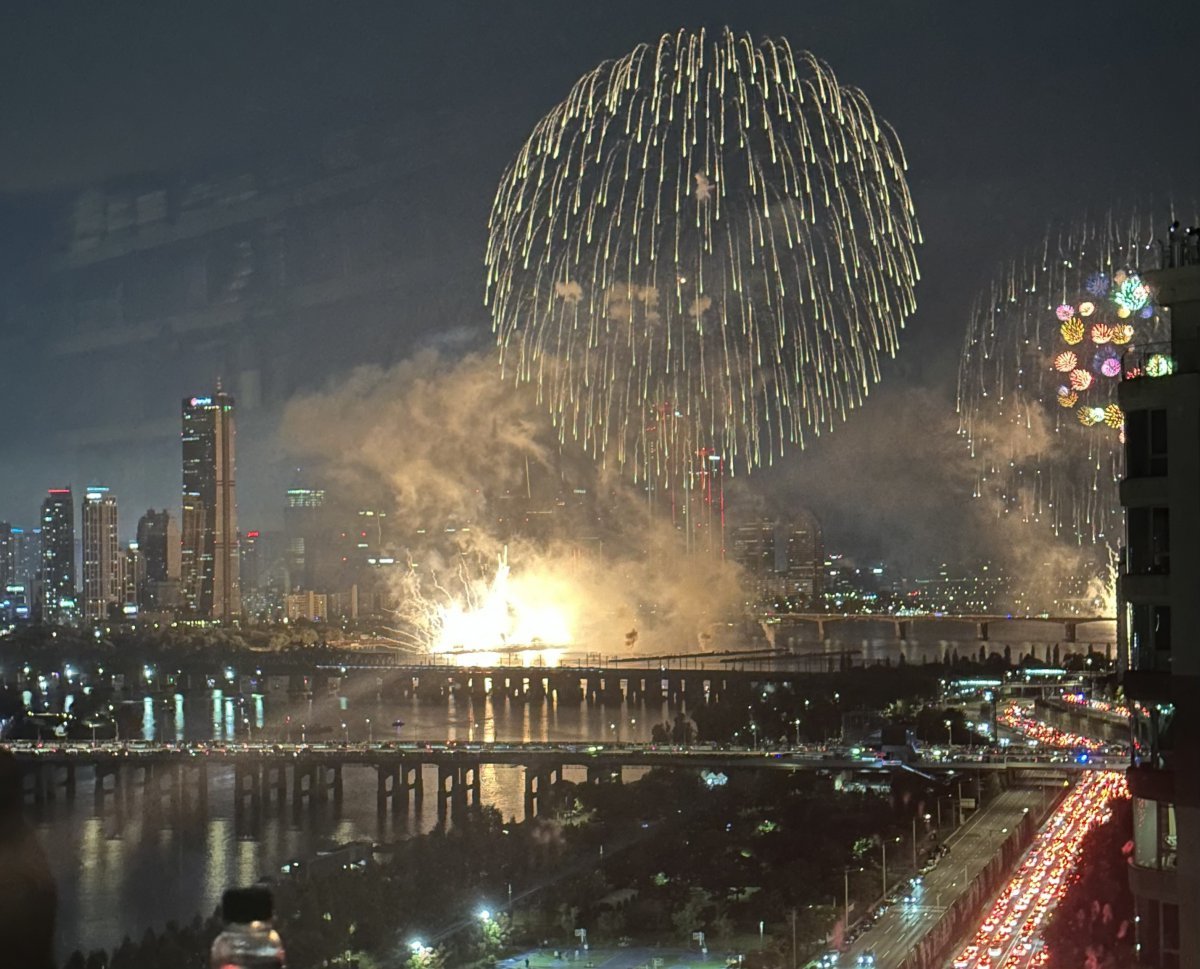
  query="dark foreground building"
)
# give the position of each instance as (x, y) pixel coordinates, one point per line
(1160, 615)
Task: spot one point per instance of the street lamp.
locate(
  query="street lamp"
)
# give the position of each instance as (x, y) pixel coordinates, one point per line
(796, 724)
(346, 731)
(370, 732)
(949, 734)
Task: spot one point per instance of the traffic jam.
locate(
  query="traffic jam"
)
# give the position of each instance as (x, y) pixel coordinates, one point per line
(1009, 936)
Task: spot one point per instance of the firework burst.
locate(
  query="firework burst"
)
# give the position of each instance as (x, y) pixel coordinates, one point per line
(709, 244)
(1037, 385)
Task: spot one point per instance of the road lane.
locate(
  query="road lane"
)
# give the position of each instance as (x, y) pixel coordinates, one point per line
(900, 929)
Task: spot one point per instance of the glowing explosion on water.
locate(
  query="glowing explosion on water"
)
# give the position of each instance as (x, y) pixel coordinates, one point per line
(482, 622)
(709, 244)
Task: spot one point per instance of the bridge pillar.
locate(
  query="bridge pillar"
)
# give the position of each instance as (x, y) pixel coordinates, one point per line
(565, 687)
(593, 689)
(193, 781)
(652, 689)
(102, 788)
(452, 790)
(304, 783)
(163, 784)
(470, 779)
(388, 788)
(539, 781)
(274, 782)
(537, 689)
(413, 779)
(604, 774)
(336, 783)
(247, 785)
(33, 783)
(610, 691)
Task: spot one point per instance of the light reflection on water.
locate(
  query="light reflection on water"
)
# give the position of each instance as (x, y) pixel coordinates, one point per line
(118, 875)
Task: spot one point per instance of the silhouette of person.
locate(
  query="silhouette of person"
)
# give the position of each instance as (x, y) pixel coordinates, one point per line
(28, 899)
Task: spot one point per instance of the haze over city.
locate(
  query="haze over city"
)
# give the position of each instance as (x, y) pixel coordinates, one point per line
(544, 485)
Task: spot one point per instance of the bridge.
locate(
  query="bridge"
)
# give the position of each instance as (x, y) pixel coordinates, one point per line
(922, 639)
(174, 778)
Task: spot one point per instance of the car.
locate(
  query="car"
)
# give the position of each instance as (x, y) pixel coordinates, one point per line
(865, 960)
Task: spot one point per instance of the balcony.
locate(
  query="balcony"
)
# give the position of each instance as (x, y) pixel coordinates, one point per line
(1148, 361)
(1180, 249)
(1150, 586)
(1148, 685)
(1151, 783)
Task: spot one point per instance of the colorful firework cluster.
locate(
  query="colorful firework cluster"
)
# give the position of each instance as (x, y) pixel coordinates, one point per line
(709, 244)
(1041, 362)
(1095, 329)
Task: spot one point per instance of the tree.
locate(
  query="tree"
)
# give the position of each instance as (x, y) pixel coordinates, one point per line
(426, 957)
(689, 917)
(1093, 924)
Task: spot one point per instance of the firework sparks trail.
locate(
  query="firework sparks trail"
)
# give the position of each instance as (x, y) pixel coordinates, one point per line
(1037, 379)
(709, 243)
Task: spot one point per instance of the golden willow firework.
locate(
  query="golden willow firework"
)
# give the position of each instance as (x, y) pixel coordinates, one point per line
(707, 247)
(1037, 381)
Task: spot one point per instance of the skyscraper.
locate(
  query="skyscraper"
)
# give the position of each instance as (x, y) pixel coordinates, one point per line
(158, 545)
(781, 557)
(209, 559)
(102, 579)
(58, 556)
(8, 556)
(308, 537)
(27, 558)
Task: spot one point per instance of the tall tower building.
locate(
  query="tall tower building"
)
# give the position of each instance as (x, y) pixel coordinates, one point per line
(308, 544)
(102, 573)
(27, 558)
(58, 556)
(1159, 615)
(805, 567)
(8, 556)
(158, 542)
(209, 559)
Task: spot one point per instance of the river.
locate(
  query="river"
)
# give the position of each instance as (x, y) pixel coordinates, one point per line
(118, 877)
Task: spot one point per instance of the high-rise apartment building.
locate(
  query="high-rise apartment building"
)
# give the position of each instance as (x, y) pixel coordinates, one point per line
(158, 543)
(58, 596)
(102, 573)
(1159, 615)
(209, 560)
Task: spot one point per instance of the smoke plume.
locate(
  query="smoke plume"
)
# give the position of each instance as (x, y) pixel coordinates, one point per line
(448, 449)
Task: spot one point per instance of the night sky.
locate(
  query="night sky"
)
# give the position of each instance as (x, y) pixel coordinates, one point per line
(1013, 116)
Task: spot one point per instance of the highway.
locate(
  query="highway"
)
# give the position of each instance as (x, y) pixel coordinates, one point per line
(700, 756)
(1009, 937)
(901, 927)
